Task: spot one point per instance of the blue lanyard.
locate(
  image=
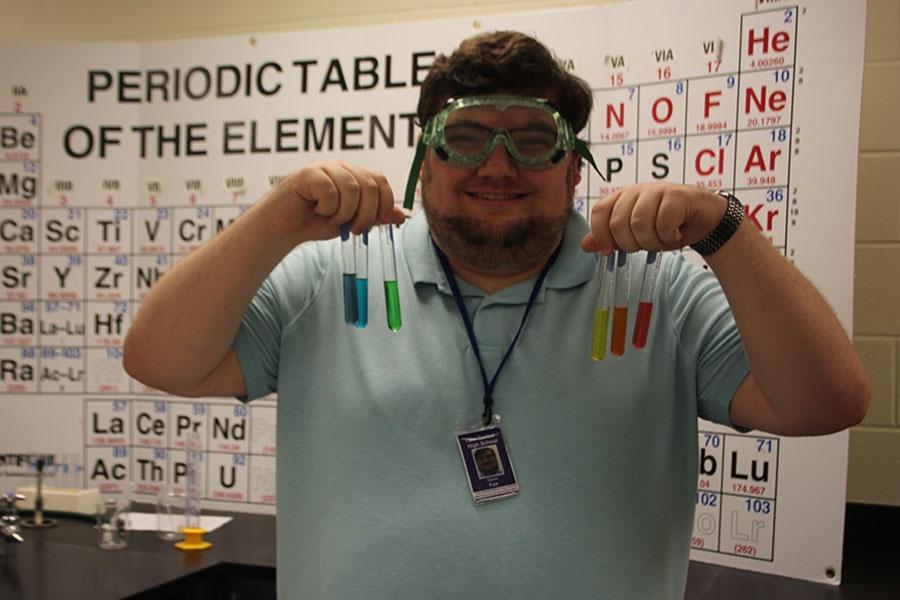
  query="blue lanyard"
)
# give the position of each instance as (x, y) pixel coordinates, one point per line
(488, 399)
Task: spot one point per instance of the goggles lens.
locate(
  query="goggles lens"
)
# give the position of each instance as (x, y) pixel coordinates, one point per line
(467, 131)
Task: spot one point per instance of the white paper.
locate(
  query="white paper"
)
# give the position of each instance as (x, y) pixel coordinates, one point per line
(147, 522)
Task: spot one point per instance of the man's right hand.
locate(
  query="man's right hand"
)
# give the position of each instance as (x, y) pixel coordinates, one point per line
(311, 204)
(181, 338)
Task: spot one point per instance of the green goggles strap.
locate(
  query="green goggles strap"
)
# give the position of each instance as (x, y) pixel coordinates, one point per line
(582, 148)
(410, 196)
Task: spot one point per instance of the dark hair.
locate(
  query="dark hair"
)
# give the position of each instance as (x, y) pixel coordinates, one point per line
(504, 62)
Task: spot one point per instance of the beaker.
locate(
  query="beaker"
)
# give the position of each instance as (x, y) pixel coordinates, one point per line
(112, 515)
(170, 505)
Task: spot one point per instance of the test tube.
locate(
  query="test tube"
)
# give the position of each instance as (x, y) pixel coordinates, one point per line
(193, 530)
(77, 471)
(645, 302)
(361, 242)
(192, 491)
(38, 519)
(607, 278)
(61, 471)
(620, 308)
(39, 495)
(68, 471)
(389, 267)
(348, 258)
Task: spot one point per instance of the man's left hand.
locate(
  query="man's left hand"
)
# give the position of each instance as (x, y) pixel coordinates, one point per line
(653, 216)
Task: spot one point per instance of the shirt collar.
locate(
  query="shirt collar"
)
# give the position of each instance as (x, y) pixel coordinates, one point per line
(573, 267)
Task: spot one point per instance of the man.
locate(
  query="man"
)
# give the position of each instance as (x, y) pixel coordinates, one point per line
(498, 280)
(486, 461)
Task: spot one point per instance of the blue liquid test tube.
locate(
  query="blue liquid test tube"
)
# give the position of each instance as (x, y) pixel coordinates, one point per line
(361, 243)
(348, 259)
(389, 267)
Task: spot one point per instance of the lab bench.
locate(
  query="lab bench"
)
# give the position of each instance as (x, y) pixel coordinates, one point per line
(64, 563)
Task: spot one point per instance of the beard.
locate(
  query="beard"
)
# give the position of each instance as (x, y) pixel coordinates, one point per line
(499, 248)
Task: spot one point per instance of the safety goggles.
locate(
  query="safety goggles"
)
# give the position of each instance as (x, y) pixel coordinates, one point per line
(468, 130)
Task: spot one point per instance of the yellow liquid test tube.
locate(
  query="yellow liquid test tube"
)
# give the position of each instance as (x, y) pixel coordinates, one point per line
(607, 268)
(601, 331)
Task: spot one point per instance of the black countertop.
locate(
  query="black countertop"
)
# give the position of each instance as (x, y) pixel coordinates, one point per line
(64, 562)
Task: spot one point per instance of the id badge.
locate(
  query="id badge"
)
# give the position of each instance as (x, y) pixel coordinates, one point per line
(487, 464)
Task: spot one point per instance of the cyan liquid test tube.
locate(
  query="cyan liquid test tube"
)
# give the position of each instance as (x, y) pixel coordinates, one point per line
(361, 243)
(348, 260)
(389, 267)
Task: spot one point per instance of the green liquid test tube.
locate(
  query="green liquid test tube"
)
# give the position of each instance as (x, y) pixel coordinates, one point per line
(392, 301)
(389, 268)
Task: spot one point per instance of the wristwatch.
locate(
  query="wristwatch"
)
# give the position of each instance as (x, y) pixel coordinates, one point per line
(731, 220)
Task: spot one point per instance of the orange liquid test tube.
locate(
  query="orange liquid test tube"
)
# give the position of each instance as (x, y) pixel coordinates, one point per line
(620, 326)
(620, 309)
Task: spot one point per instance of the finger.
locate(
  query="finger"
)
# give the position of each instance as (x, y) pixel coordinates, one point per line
(349, 190)
(670, 218)
(316, 186)
(386, 206)
(644, 216)
(589, 243)
(602, 236)
(620, 220)
(367, 208)
(398, 216)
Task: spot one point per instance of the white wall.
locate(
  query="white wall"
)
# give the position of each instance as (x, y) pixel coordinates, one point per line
(165, 19)
(875, 446)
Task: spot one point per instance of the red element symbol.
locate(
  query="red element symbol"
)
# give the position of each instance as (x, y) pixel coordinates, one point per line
(661, 116)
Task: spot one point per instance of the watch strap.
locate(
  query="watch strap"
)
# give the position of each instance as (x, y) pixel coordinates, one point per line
(727, 226)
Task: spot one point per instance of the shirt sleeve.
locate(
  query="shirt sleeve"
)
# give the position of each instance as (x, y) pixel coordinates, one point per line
(283, 296)
(708, 338)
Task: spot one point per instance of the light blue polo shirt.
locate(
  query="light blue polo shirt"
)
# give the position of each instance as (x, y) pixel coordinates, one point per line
(372, 497)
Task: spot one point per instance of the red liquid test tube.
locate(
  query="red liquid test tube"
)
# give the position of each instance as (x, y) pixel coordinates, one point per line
(645, 303)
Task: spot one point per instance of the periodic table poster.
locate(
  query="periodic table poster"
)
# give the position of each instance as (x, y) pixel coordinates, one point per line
(118, 159)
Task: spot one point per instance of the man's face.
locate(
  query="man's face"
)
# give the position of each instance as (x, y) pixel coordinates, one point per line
(486, 461)
(499, 217)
